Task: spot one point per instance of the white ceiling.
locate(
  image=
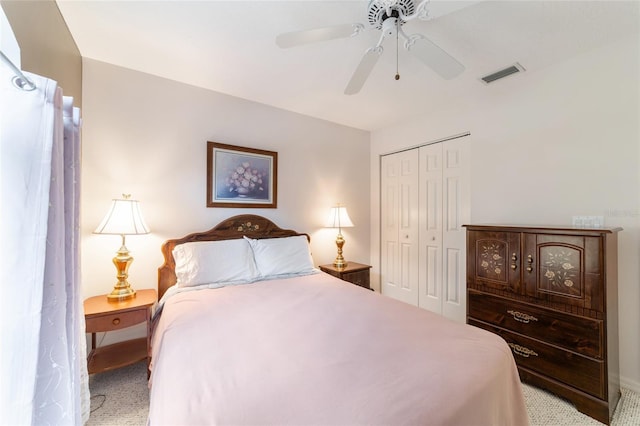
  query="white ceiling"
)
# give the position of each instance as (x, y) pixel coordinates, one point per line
(229, 47)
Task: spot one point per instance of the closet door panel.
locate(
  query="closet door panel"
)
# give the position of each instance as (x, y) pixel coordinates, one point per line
(456, 212)
(400, 226)
(389, 226)
(430, 266)
(409, 226)
(453, 295)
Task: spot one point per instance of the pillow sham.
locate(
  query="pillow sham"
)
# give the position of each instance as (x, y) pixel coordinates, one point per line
(280, 256)
(210, 262)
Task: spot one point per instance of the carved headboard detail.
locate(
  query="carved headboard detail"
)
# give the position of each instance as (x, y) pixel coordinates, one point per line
(252, 226)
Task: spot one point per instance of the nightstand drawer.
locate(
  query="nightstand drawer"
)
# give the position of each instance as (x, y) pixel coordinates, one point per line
(116, 321)
(354, 273)
(360, 278)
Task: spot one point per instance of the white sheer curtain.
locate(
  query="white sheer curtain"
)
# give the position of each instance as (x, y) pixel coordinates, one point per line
(43, 375)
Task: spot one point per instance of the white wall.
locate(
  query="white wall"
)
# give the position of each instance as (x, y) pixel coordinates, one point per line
(147, 136)
(545, 146)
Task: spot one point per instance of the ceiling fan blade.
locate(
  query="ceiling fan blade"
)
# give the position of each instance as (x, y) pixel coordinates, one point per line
(365, 67)
(445, 65)
(298, 38)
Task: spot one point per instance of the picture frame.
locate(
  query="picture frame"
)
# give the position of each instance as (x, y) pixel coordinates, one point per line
(241, 177)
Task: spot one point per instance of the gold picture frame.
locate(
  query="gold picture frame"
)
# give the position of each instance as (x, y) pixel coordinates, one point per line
(241, 177)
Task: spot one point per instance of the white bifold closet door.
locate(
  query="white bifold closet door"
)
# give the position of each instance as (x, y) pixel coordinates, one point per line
(400, 228)
(425, 201)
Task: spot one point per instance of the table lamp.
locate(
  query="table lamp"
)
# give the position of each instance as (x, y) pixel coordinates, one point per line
(339, 218)
(123, 218)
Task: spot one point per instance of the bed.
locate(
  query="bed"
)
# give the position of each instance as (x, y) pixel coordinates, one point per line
(305, 348)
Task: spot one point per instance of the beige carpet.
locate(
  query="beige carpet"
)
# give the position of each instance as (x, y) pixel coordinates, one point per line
(547, 409)
(121, 397)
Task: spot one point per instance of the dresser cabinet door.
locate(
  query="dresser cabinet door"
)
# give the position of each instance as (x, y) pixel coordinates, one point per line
(493, 260)
(564, 269)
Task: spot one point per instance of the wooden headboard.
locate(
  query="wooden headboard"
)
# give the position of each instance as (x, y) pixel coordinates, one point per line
(252, 226)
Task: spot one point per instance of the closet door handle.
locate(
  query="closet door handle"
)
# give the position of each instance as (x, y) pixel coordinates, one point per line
(530, 262)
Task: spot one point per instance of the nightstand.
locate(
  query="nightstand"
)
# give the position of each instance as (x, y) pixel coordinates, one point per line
(102, 316)
(355, 273)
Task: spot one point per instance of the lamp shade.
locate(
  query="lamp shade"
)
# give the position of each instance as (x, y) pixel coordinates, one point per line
(338, 218)
(123, 218)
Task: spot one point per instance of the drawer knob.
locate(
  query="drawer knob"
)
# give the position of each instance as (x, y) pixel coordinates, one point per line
(522, 350)
(530, 262)
(522, 317)
(115, 321)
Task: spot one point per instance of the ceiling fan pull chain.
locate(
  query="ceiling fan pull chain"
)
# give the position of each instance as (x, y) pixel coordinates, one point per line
(397, 49)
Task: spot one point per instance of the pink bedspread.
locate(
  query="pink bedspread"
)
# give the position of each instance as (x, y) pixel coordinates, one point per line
(319, 351)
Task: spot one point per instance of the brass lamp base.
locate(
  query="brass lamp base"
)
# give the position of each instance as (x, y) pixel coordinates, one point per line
(120, 294)
(340, 263)
(122, 290)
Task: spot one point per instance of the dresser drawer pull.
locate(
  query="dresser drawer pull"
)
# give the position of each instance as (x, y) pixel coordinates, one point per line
(115, 321)
(522, 351)
(530, 262)
(522, 317)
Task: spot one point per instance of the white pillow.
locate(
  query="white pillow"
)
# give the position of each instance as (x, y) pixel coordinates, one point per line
(210, 262)
(279, 256)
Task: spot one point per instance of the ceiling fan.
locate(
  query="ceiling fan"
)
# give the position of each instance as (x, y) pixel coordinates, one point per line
(387, 16)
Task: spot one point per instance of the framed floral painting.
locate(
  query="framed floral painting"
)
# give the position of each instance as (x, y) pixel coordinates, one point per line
(241, 177)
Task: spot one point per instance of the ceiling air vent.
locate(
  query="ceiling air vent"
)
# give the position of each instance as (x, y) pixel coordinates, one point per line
(515, 68)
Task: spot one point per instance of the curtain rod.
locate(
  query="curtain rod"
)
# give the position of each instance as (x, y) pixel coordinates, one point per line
(20, 80)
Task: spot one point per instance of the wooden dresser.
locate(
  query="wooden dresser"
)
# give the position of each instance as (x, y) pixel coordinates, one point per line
(552, 294)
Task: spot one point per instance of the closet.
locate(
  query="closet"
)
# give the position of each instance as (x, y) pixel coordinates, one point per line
(424, 202)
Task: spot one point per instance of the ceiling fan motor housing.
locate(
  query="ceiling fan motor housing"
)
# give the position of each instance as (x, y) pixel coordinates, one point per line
(377, 13)
(389, 26)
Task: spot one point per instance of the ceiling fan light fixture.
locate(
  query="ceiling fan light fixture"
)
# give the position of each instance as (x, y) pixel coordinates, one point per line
(389, 26)
(377, 14)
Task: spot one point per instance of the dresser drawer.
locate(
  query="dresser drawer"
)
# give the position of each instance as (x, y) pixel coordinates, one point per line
(115, 321)
(575, 370)
(579, 334)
